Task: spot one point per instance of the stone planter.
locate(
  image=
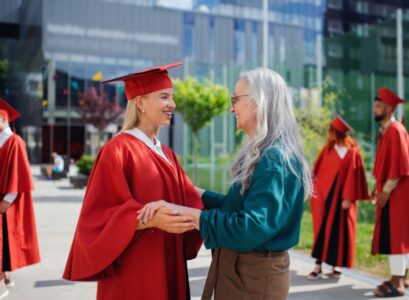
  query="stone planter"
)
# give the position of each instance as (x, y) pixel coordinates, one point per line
(79, 181)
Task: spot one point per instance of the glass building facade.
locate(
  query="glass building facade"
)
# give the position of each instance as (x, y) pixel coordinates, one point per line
(58, 49)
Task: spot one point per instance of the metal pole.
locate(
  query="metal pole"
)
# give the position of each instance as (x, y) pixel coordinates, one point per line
(373, 133)
(319, 68)
(212, 143)
(51, 102)
(399, 61)
(265, 33)
(185, 128)
(69, 115)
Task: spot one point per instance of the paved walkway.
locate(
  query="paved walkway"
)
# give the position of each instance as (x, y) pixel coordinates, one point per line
(57, 207)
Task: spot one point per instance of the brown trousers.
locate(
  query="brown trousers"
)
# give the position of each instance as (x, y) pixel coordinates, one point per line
(252, 275)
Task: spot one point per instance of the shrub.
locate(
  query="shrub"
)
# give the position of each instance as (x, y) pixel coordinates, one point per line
(85, 164)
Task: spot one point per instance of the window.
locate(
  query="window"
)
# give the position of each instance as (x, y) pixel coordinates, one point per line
(335, 50)
(335, 4)
(211, 40)
(239, 41)
(271, 45)
(188, 34)
(254, 43)
(362, 7)
(335, 26)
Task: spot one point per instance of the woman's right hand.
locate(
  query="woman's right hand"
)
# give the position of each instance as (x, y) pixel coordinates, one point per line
(171, 221)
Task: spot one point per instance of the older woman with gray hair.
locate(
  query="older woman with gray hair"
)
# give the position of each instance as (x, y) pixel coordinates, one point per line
(252, 227)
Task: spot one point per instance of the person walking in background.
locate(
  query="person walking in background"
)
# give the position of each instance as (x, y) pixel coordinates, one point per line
(19, 244)
(134, 259)
(252, 227)
(339, 181)
(391, 194)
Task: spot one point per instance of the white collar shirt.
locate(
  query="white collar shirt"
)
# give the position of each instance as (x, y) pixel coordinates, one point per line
(136, 132)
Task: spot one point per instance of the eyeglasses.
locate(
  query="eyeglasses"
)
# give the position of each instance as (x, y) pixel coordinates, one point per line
(234, 99)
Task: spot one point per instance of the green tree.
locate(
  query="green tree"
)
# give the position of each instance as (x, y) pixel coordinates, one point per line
(314, 119)
(199, 103)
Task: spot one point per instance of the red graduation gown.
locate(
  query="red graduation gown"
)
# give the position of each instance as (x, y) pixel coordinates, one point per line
(129, 263)
(336, 179)
(391, 232)
(15, 177)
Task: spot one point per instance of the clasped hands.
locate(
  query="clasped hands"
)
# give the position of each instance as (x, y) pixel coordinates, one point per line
(379, 199)
(168, 217)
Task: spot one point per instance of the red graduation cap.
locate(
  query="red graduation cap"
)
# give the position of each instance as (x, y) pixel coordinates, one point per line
(146, 81)
(340, 124)
(7, 111)
(387, 96)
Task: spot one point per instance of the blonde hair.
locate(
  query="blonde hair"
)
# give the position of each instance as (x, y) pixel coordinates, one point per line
(132, 118)
(133, 115)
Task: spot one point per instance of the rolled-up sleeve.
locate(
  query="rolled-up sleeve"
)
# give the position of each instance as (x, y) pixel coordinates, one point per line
(212, 200)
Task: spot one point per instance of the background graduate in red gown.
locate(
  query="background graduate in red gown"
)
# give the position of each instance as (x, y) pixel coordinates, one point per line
(129, 258)
(339, 181)
(391, 171)
(18, 235)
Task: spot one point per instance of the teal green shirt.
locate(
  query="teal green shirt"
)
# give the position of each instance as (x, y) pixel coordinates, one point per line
(266, 217)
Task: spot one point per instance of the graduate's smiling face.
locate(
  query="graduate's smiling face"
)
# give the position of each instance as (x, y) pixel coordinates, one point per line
(381, 110)
(156, 108)
(244, 108)
(3, 123)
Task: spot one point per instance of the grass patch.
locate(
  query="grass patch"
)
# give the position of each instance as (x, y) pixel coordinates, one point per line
(364, 260)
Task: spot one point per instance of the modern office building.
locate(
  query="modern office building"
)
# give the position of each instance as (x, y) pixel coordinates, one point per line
(57, 49)
(343, 16)
(62, 45)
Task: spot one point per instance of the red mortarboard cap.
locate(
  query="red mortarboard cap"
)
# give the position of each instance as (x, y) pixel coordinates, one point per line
(7, 111)
(340, 124)
(389, 97)
(146, 81)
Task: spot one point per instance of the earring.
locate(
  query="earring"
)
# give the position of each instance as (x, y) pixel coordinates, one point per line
(143, 110)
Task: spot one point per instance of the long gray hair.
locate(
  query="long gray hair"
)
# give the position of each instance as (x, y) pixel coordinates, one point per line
(275, 122)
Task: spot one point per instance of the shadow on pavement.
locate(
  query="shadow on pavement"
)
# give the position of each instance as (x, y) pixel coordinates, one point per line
(297, 280)
(49, 283)
(333, 293)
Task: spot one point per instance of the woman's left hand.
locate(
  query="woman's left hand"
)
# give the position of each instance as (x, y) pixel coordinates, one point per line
(146, 213)
(346, 204)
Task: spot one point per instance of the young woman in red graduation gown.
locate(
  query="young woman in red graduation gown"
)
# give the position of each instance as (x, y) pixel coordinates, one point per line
(129, 258)
(18, 234)
(339, 181)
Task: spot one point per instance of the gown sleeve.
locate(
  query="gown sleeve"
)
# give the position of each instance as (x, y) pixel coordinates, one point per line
(107, 221)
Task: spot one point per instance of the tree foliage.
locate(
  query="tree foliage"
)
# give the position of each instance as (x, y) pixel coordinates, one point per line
(96, 109)
(315, 119)
(199, 103)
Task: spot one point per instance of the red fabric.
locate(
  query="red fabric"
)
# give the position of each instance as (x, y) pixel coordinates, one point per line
(336, 179)
(7, 111)
(392, 161)
(387, 96)
(15, 177)
(340, 124)
(129, 263)
(146, 81)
